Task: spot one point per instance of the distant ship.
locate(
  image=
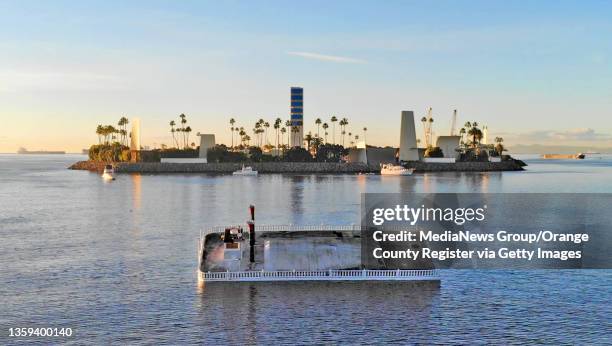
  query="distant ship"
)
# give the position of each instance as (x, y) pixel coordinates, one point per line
(40, 152)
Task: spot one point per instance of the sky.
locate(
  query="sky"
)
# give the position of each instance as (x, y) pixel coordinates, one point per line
(532, 71)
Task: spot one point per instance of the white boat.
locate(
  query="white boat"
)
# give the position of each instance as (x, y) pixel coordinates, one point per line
(108, 173)
(389, 169)
(248, 170)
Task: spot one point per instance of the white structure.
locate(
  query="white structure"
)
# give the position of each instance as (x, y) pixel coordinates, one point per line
(135, 135)
(408, 145)
(485, 134)
(182, 160)
(440, 159)
(448, 144)
(207, 141)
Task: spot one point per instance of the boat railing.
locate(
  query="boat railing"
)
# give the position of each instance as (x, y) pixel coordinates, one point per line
(286, 228)
(363, 274)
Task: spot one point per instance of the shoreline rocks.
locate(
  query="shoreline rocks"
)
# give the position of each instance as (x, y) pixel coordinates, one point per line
(295, 167)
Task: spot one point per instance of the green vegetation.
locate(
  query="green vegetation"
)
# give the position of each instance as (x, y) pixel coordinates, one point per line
(432, 151)
(471, 148)
(324, 153)
(115, 152)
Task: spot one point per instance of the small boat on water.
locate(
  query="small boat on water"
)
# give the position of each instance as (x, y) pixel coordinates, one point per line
(108, 172)
(248, 170)
(390, 169)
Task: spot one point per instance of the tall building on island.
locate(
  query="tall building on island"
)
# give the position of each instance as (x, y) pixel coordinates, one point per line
(297, 117)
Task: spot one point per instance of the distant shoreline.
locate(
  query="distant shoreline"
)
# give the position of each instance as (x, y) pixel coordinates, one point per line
(294, 167)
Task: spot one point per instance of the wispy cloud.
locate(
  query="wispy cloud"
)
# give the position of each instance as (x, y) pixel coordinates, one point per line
(331, 58)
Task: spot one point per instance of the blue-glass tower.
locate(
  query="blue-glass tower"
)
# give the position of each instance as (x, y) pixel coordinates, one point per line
(297, 117)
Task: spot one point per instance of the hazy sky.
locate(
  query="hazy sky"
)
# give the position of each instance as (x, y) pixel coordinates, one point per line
(533, 71)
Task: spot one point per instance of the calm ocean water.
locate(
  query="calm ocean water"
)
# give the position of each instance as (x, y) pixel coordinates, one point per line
(116, 262)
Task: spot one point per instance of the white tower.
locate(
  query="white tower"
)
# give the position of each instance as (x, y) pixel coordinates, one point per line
(485, 134)
(408, 146)
(135, 135)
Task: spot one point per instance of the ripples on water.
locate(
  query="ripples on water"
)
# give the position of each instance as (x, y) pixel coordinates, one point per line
(116, 262)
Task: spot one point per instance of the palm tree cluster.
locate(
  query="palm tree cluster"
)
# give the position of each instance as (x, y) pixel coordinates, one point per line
(240, 138)
(180, 135)
(123, 122)
(474, 134)
(108, 134)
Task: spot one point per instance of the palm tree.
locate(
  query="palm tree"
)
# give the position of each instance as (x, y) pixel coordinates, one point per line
(232, 122)
(462, 133)
(187, 131)
(316, 142)
(476, 135)
(256, 132)
(178, 142)
(242, 133)
(123, 121)
(499, 147)
(266, 126)
(183, 122)
(365, 139)
(308, 138)
(325, 127)
(343, 123)
(100, 133)
(318, 123)
(333, 121)
(172, 130)
(277, 125)
(283, 130)
(424, 122)
(289, 127)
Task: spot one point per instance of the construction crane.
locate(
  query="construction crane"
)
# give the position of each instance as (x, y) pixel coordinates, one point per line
(453, 123)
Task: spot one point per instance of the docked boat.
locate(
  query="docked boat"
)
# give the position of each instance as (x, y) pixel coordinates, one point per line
(245, 253)
(248, 170)
(108, 172)
(389, 169)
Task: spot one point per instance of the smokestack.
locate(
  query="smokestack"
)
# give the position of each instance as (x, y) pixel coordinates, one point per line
(252, 240)
(227, 238)
(252, 209)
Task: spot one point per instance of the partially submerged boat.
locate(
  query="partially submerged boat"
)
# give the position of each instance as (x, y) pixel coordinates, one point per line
(246, 253)
(390, 169)
(248, 171)
(108, 172)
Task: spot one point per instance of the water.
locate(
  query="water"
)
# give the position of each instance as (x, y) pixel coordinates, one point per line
(116, 262)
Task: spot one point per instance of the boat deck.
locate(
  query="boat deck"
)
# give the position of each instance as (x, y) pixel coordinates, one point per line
(294, 253)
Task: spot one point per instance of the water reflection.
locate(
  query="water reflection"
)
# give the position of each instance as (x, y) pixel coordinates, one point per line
(254, 312)
(136, 191)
